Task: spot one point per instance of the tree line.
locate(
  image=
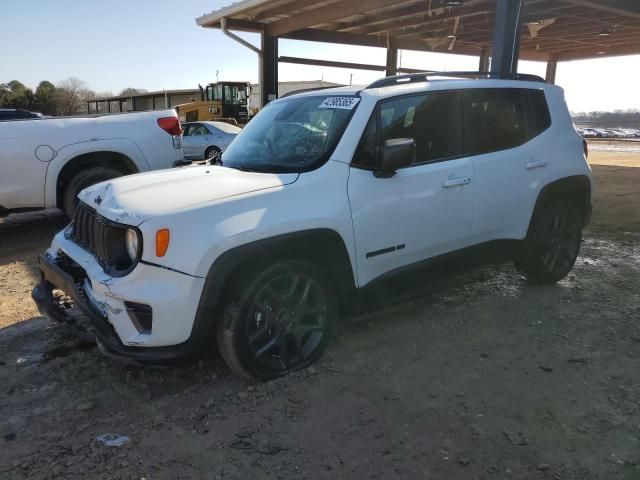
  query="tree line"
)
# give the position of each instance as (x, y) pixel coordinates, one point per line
(68, 97)
(617, 116)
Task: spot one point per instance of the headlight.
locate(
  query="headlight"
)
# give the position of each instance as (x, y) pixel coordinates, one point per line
(133, 244)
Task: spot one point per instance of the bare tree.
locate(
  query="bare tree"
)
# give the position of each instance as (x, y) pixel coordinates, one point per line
(133, 91)
(71, 96)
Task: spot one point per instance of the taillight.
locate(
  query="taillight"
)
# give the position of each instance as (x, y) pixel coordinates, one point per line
(585, 147)
(171, 125)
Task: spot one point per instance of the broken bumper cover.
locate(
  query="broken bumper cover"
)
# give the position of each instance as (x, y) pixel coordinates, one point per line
(107, 317)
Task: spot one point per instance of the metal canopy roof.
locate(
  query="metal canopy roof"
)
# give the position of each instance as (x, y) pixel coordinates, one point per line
(552, 30)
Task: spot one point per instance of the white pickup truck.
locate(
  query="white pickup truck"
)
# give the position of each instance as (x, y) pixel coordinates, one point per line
(45, 163)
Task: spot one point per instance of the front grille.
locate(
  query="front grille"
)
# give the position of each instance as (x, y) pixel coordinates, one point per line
(104, 239)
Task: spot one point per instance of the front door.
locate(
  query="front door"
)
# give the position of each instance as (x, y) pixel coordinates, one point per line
(423, 210)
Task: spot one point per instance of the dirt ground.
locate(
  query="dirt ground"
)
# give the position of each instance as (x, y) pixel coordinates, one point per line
(474, 376)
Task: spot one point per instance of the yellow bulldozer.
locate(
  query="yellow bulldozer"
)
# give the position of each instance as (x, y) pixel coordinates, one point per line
(222, 102)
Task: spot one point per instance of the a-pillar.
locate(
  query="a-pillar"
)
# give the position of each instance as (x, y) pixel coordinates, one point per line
(269, 69)
(506, 36)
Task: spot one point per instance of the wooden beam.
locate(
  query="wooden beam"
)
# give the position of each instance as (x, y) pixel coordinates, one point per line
(400, 21)
(325, 36)
(328, 63)
(347, 65)
(240, 25)
(392, 61)
(583, 54)
(552, 67)
(286, 9)
(325, 14)
(626, 8)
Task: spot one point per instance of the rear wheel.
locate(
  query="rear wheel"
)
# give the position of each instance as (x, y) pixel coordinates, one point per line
(553, 243)
(82, 180)
(213, 155)
(279, 320)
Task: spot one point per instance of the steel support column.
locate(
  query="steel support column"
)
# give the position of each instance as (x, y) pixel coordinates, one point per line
(392, 61)
(506, 36)
(552, 67)
(269, 69)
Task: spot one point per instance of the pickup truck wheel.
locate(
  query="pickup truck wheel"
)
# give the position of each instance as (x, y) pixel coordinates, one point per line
(279, 320)
(553, 244)
(82, 180)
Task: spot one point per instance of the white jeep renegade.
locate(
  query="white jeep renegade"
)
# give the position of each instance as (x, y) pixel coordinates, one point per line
(321, 195)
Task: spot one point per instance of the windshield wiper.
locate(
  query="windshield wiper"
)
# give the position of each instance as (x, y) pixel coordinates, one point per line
(242, 168)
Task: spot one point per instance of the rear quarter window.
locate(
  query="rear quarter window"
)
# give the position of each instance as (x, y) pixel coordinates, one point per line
(502, 118)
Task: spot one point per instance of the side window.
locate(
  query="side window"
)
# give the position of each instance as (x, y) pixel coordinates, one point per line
(495, 119)
(437, 127)
(538, 116)
(432, 120)
(187, 130)
(198, 130)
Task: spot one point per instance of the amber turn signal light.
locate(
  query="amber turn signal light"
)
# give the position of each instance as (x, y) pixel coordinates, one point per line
(162, 242)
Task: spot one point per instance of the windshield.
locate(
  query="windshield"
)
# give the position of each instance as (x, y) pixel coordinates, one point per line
(291, 135)
(235, 94)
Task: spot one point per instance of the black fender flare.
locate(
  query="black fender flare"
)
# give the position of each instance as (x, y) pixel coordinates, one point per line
(576, 188)
(324, 246)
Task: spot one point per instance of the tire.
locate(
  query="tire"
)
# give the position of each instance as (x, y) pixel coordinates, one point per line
(279, 319)
(552, 244)
(82, 180)
(213, 155)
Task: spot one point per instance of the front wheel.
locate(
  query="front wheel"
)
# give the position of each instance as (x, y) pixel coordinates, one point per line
(82, 180)
(278, 320)
(553, 243)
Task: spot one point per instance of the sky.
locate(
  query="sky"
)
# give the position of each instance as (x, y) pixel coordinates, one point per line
(155, 45)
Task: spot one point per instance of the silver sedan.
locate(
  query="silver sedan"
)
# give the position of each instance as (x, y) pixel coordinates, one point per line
(207, 140)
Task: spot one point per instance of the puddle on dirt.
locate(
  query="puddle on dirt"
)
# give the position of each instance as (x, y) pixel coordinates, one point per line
(612, 252)
(67, 349)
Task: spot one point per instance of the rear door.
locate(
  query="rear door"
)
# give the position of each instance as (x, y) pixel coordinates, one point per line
(503, 132)
(195, 140)
(423, 210)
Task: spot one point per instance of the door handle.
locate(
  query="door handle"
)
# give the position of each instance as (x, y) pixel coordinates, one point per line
(456, 182)
(535, 164)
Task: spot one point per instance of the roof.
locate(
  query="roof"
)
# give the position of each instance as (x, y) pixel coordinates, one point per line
(552, 29)
(159, 93)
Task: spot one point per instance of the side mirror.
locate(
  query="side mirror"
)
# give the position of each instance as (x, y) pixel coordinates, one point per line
(396, 153)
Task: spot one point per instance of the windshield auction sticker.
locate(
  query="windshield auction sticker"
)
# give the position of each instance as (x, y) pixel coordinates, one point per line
(344, 103)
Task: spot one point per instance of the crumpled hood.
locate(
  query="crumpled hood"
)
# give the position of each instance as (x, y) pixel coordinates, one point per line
(137, 198)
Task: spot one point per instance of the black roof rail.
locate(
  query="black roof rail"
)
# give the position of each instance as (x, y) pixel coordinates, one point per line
(424, 77)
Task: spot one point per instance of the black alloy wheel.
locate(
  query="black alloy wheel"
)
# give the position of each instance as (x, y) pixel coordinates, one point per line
(554, 244)
(281, 322)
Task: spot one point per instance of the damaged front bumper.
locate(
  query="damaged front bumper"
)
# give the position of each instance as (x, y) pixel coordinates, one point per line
(104, 304)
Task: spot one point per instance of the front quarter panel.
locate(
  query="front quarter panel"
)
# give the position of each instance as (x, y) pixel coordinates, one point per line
(200, 235)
